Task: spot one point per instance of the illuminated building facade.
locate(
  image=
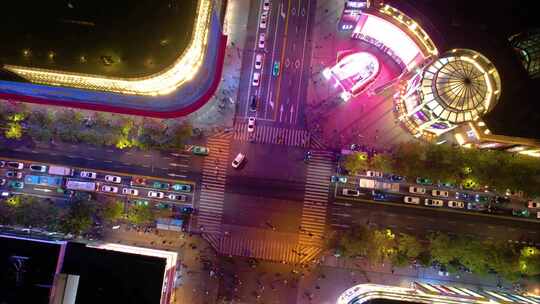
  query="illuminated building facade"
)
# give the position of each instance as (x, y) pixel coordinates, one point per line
(177, 90)
(431, 293)
(351, 13)
(527, 47)
(354, 72)
(458, 87)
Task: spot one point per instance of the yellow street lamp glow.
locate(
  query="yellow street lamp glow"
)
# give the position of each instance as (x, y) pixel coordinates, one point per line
(161, 83)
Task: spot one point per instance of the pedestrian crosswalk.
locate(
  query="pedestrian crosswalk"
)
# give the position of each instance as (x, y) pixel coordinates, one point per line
(275, 250)
(213, 185)
(313, 221)
(264, 134)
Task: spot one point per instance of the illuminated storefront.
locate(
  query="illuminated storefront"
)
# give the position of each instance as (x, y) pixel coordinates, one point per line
(354, 72)
(352, 9)
(430, 293)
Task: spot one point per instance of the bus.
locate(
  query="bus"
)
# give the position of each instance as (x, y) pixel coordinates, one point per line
(44, 180)
(80, 185)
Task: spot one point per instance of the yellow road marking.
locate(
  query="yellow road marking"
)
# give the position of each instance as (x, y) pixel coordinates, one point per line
(282, 58)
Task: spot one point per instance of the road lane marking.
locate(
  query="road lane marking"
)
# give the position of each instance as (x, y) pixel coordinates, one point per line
(107, 161)
(284, 48)
(302, 65)
(110, 151)
(252, 66)
(147, 155)
(269, 91)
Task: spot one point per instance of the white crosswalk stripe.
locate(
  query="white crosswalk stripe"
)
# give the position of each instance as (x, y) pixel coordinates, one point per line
(213, 186)
(272, 135)
(268, 249)
(313, 222)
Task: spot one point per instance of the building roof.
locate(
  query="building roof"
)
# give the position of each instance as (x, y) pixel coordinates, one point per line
(28, 269)
(114, 277)
(486, 28)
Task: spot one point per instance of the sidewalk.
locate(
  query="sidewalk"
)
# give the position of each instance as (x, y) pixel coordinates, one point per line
(335, 275)
(219, 112)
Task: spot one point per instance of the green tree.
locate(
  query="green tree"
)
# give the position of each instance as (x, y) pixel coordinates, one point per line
(354, 242)
(504, 259)
(441, 248)
(409, 246)
(472, 253)
(13, 131)
(79, 218)
(355, 162)
(140, 214)
(382, 162)
(112, 210)
(529, 261)
(381, 246)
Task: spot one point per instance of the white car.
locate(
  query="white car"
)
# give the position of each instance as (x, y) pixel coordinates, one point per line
(411, 200)
(433, 202)
(256, 79)
(15, 165)
(374, 174)
(264, 19)
(456, 204)
(441, 193)
(266, 5)
(130, 191)
(156, 194)
(238, 160)
(111, 189)
(262, 38)
(113, 179)
(533, 204)
(350, 192)
(251, 124)
(177, 197)
(418, 190)
(38, 168)
(258, 61)
(88, 174)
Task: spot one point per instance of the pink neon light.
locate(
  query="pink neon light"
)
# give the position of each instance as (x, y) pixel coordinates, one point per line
(391, 36)
(355, 72)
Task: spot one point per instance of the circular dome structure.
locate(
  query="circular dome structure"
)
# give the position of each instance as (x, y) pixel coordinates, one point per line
(460, 86)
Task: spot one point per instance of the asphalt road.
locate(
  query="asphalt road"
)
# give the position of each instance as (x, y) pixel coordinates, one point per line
(269, 188)
(345, 214)
(287, 42)
(134, 162)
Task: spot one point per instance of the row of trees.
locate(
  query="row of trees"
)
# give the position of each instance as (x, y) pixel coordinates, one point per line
(480, 256)
(78, 217)
(469, 167)
(98, 129)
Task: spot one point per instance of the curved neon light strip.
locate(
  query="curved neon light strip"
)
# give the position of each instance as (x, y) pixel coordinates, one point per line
(364, 292)
(412, 27)
(161, 83)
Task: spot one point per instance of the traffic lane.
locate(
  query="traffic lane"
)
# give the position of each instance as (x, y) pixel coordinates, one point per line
(104, 165)
(280, 45)
(273, 53)
(262, 212)
(398, 198)
(249, 59)
(157, 158)
(424, 220)
(304, 25)
(266, 187)
(404, 187)
(279, 162)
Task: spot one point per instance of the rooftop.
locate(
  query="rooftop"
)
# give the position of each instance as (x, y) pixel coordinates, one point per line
(486, 28)
(97, 37)
(28, 269)
(114, 277)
